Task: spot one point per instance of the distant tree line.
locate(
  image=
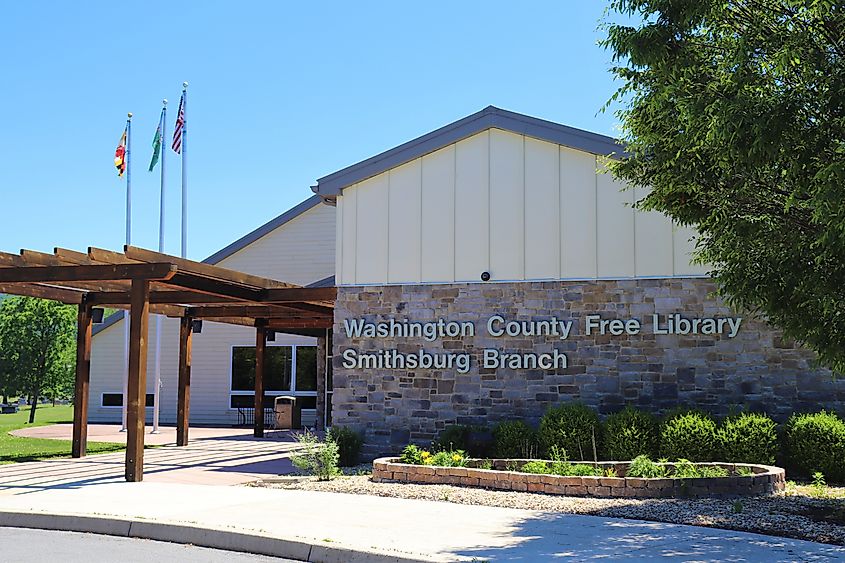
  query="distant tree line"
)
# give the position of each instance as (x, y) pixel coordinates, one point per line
(37, 350)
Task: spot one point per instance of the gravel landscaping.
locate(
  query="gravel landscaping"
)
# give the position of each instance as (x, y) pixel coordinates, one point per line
(801, 512)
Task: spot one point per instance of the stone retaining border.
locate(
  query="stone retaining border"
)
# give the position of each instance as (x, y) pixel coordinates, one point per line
(765, 479)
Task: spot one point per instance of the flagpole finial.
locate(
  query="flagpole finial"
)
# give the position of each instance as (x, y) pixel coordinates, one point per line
(164, 102)
(184, 86)
(129, 115)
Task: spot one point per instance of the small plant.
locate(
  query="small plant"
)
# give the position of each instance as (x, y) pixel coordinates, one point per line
(514, 439)
(743, 471)
(412, 454)
(610, 472)
(449, 459)
(819, 486)
(583, 470)
(748, 438)
(816, 442)
(685, 469)
(485, 464)
(453, 437)
(572, 427)
(349, 444)
(737, 507)
(316, 457)
(539, 467)
(642, 466)
(630, 433)
(688, 435)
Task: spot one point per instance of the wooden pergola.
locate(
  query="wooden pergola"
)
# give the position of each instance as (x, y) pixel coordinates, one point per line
(145, 282)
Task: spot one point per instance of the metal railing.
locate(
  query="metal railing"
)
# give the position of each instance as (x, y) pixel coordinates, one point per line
(246, 417)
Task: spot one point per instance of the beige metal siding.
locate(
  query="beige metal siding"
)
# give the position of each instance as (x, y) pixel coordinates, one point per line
(518, 207)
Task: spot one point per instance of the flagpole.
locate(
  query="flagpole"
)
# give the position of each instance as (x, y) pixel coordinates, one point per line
(184, 170)
(128, 242)
(157, 388)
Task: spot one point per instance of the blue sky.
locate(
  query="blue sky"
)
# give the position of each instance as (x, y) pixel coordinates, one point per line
(281, 93)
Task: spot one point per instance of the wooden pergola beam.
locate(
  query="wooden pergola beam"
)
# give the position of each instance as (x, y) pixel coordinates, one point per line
(203, 269)
(68, 296)
(254, 311)
(212, 286)
(299, 294)
(59, 274)
(137, 380)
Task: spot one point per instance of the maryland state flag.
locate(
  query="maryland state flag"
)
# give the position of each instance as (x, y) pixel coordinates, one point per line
(120, 155)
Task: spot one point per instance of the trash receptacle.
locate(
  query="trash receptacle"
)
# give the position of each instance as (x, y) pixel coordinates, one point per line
(288, 413)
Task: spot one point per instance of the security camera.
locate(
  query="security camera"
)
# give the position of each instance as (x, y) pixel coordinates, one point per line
(485, 276)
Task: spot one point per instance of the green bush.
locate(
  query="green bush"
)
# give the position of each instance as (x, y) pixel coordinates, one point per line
(572, 427)
(816, 443)
(685, 469)
(456, 458)
(453, 437)
(349, 444)
(642, 466)
(688, 435)
(514, 439)
(630, 433)
(540, 467)
(748, 438)
(316, 457)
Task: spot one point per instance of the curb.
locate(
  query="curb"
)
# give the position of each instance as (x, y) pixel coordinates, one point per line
(195, 535)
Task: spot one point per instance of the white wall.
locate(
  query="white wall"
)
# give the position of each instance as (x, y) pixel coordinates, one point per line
(517, 207)
(300, 251)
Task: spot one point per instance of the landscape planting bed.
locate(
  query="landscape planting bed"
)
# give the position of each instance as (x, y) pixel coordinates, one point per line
(764, 479)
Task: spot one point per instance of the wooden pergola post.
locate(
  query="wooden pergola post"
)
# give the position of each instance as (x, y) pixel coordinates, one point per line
(137, 385)
(260, 364)
(183, 405)
(83, 373)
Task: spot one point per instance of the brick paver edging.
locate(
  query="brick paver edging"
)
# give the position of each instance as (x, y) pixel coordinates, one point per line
(765, 479)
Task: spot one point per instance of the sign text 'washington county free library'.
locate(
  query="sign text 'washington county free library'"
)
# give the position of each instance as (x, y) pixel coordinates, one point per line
(498, 326)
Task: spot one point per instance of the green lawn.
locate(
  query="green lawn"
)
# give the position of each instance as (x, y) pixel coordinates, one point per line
(15, 449)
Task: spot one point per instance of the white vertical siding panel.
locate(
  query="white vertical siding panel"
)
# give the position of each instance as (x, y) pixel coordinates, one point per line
(404, 223)
(372, 242)
(542, 210)
(350, 235)
(653, 237)
(437, 259)
(615, 237)
(472, 191)
(339, 242)
(684, 239)
(507, 206)
(578, 214)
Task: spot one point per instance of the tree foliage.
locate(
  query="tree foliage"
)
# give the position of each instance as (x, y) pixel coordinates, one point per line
(37, 348)
(735, 116)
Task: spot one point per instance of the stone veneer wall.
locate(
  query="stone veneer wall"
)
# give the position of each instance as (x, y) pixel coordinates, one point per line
(756, 370)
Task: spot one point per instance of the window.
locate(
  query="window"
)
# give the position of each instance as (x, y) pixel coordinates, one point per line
(290, 370)
(276, 376)
(116, 400)
(306, 368)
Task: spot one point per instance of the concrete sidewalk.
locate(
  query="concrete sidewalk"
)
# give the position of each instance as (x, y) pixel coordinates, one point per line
(338, 527)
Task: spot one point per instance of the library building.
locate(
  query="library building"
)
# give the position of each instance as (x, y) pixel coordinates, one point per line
(484, 271)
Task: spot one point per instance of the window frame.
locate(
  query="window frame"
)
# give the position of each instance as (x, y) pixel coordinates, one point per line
(267, 393)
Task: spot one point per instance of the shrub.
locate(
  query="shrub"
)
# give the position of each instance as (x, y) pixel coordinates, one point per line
(630, 433)
(584, 470)
(349, 444)
(443, 458)
(642, 466)
(748, 438)
(412, 455)
(572, 427)
(316, 457)
(688, 435)
(514, 439)
(473, 439)
(685, 469)
(816, 443)
(453, 437)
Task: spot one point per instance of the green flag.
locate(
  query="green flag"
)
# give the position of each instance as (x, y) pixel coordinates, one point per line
(156, 147)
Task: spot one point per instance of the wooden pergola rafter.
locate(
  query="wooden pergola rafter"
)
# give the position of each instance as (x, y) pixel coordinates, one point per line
(144, 281)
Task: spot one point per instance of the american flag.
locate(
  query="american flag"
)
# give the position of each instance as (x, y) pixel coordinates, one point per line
(180, 123)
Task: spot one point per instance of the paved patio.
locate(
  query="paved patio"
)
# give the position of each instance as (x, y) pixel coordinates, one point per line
(215, 456)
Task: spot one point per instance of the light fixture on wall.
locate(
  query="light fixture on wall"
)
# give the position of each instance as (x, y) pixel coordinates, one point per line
(97, 314)
(196, 326)
(271, 336)
(485, 276)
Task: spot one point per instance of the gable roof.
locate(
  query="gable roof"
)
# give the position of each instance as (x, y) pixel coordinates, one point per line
(489, 117)
(240, 244)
